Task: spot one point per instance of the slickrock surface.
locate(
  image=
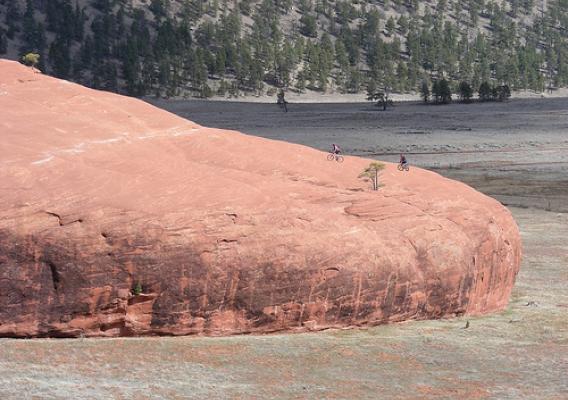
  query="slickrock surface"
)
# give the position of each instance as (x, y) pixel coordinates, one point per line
(225, 233)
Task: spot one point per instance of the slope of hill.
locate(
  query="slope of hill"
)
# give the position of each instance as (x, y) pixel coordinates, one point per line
(222, 47)
(118, 218)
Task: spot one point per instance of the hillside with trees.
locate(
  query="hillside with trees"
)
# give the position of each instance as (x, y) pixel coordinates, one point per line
(203, 48)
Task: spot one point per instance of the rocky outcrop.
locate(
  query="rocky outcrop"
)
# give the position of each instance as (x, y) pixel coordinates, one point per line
(117, 218)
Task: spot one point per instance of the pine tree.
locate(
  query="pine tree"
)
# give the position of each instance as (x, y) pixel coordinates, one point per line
(309, 26)
(484, 91)
(425, 91)
(444, 92)
(11, 19)
(465, 91)
(166, 46)
(390, 26)
(436, 91)
(3, 42)
(33, 35)
(60, 58)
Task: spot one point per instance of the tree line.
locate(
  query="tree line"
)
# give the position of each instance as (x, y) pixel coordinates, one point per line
(441, 92)
(226, 47)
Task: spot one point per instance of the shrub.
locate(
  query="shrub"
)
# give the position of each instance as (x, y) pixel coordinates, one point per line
(31, 59)
(372, 173)
(137, 289)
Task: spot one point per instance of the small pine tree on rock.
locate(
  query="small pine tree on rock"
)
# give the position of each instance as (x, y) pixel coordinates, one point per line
(372, 173)
(31, 60)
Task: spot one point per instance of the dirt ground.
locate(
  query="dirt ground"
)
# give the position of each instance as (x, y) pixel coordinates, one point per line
(517, 152)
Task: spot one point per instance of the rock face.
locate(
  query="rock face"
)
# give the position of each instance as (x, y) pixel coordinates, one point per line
(117, 218)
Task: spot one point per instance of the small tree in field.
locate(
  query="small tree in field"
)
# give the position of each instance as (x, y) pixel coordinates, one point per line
(436, 91)
(381, 98)
(372, 173)
(425, 92)
(466, 92)
(371, 89)
(445, 92)
(504, 92)
(485, 92)
(31, 59)
(494, 93)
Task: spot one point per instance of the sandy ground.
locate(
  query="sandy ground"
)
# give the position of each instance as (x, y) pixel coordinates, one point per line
(517, 152)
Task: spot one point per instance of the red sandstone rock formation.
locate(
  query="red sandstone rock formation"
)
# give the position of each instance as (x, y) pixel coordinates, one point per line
(224, 233)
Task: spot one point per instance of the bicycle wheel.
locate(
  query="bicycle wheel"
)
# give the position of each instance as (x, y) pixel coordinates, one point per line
(339, 159)
(399, 167)
(330, 157)
(406, 168)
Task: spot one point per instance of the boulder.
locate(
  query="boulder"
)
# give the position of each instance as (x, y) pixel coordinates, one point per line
(121, 219)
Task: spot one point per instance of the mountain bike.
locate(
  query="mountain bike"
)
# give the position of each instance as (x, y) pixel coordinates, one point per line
(336, 157)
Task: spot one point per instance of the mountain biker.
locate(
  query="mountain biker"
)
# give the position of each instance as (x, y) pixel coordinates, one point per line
(335, 149)
(403, 161)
